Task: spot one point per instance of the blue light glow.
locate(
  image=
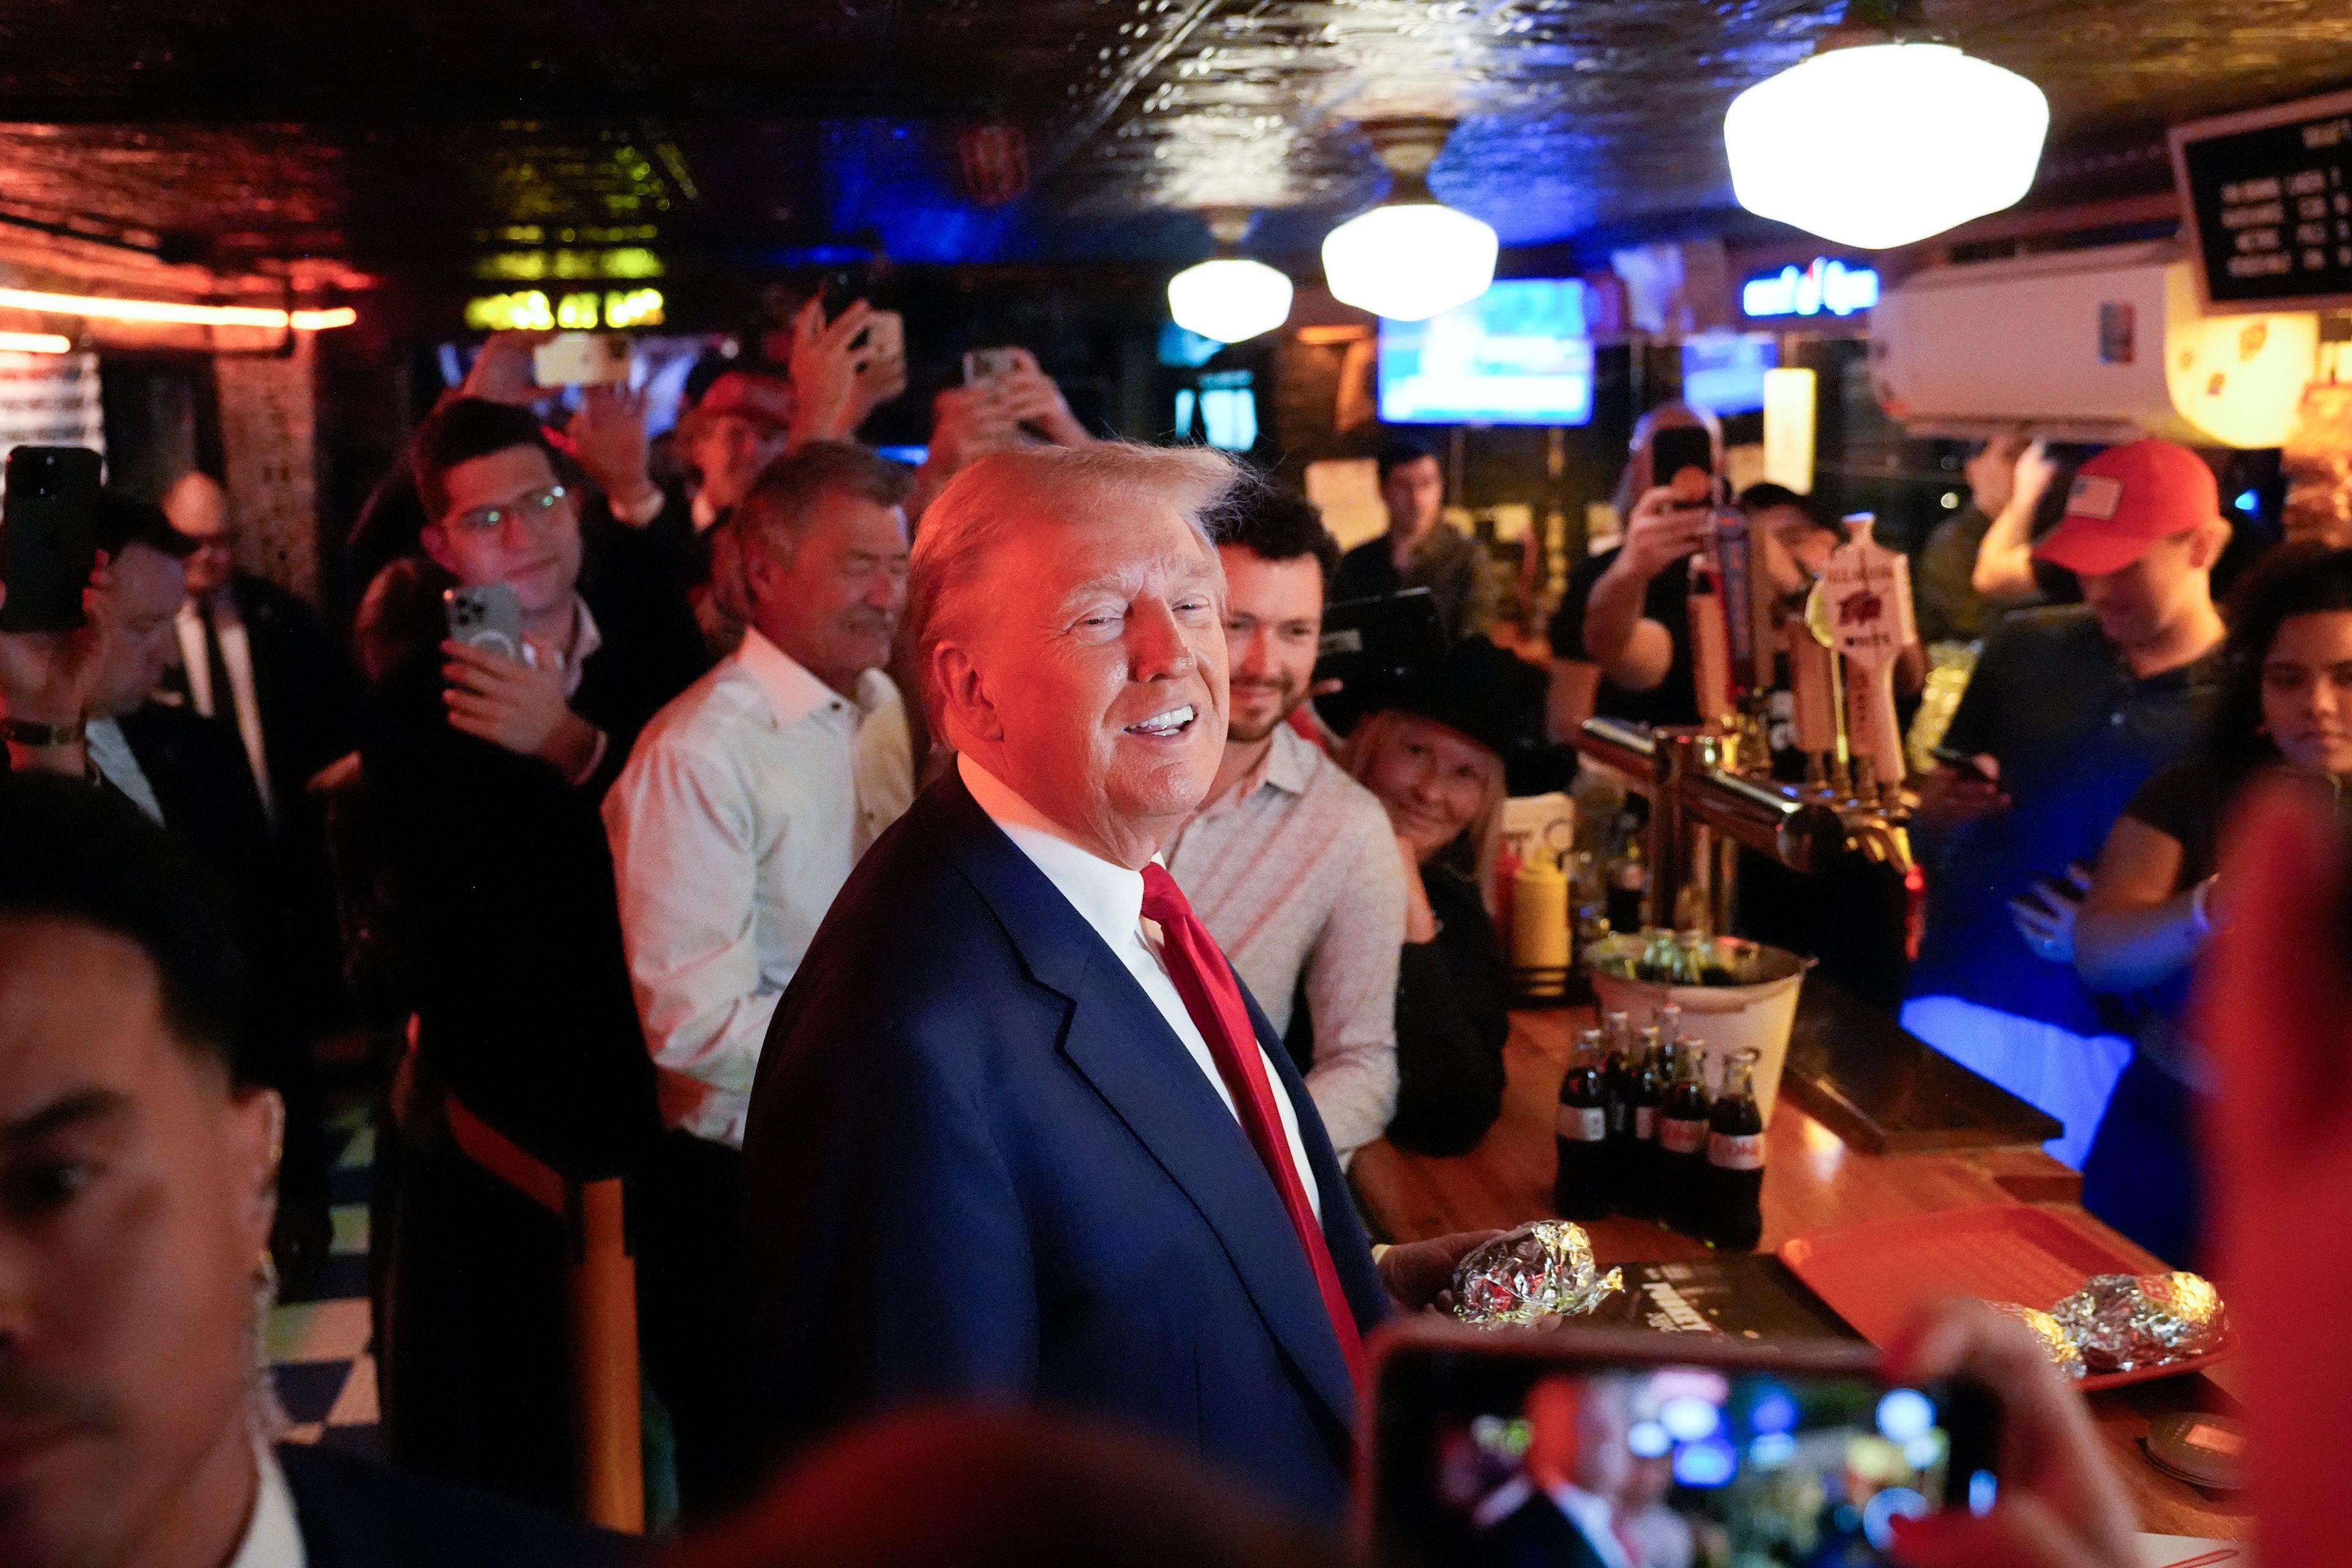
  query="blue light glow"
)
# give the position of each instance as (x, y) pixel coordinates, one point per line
(1690, 1419)
(1776, 1412)
(1771, 1450)
(1905, 1414)
(1708, 1464)
(1877, 1513)
(2250, 502)
(1649, 1440)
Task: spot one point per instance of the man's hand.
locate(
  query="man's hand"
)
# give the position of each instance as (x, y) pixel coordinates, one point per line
(2046, 917)
(1416, 1274)
(2061, 1504)
(502, 372)
(878, 381)
(608, 436)
(1662, 532)
(1029, 396)
(510, 704)
(826, 401)
(45, 676)
(1992, 472)
(1952, 799)
(2035, 470)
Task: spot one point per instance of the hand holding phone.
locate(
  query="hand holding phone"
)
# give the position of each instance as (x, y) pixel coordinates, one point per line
(49, 537)
(582, 359)
(1682, 459)
(2061, 1504)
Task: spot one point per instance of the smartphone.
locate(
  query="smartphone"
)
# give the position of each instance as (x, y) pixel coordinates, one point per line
(489, 616)
(1500, 1447)
(582, 359)
(840, 289)
(1684, 450)
(49, 537)
(986, 364)
(885, 338)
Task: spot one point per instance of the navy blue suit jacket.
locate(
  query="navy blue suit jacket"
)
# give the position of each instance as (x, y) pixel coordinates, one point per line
(979, 1166)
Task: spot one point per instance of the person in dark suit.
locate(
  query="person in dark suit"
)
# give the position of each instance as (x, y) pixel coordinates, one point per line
(486, 772)
(1017, 1132)
(140, 1165)
(1561, 1510)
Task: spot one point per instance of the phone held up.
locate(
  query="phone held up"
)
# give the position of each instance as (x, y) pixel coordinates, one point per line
(1682, 458)
(489, 616)
(582, 359)
(1506, 1449)
(981, 365)
(49, 537)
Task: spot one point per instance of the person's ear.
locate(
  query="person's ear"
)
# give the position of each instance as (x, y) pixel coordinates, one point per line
(436, 548)
(257, 1146)
(967, 707)
(2212, 539)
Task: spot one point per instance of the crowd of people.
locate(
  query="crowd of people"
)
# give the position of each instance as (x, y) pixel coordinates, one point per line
(943, 876)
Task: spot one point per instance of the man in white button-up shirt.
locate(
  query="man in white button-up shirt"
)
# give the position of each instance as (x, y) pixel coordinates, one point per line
(739, 816)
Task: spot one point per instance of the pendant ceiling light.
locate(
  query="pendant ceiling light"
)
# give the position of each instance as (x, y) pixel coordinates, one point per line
(1411, 257)
(1229, 297)
(1885, 135)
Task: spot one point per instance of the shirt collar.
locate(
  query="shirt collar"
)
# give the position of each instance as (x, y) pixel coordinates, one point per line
(1108, 897)
(1592, 1516)
(792, 692)
(272, 1537)
(1289, 762)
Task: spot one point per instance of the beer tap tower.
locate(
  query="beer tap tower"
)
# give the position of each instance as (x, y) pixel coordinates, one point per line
(1711, 788)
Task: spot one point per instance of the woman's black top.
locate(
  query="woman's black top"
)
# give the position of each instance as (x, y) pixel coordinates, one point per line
(1453, 1015)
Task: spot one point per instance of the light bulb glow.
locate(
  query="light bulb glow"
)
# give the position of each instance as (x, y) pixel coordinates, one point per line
(1229, 298)
(35, 343)
(1881, 144)
(1410, 261)
(111, 309)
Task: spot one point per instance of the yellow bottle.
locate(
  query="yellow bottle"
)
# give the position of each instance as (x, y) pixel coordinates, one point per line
(1539, 949)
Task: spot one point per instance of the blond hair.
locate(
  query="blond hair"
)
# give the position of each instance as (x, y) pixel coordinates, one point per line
(1379, 731)
(966, 527)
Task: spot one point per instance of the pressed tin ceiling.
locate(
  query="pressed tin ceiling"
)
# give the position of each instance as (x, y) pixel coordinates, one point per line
(399, 134)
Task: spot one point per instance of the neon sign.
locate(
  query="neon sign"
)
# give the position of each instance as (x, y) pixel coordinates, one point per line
(531, 308)
(1826, 285)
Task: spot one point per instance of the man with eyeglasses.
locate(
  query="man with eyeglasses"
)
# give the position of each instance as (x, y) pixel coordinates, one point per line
(485, 772)
(739, 815)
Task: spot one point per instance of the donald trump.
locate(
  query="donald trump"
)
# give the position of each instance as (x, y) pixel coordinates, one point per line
(1018, 1133)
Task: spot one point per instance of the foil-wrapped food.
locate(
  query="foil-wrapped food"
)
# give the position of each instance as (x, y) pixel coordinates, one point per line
(1540, 1270)
(2125, 1322)
(2128, 1322)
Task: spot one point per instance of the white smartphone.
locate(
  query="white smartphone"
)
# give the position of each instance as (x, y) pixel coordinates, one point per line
(987, 365)
(582, 359)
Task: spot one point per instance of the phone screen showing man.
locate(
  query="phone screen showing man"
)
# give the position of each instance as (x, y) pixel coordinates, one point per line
(1512, 1461)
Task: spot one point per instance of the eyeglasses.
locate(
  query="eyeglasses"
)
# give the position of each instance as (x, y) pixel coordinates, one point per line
(529, 507)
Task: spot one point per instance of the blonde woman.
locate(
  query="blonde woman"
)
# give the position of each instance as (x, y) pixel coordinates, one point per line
(1434, 758)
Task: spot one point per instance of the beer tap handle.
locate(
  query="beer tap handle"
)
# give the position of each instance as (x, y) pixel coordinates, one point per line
(1868, 592)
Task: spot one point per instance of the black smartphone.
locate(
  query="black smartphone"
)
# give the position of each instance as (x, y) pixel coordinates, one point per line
(841, 288)
(49, 537)
(1679, 449)
(1509, 1449)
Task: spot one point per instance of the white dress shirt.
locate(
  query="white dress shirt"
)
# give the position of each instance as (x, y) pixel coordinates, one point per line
(272, 1538)
(733, 825)
(111, 754)
(1109, 897)
(221, 617)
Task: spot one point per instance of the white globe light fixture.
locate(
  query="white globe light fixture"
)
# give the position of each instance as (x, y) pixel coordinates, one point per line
(1411, 257)
(1878, 140)
(1229, 297)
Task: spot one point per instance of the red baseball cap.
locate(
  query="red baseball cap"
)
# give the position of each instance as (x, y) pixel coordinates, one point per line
(2125, 499)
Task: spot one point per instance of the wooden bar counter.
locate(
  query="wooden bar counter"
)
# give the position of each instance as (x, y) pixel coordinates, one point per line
(1813, 1182)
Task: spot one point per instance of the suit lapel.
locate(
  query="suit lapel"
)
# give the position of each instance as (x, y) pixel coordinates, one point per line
(1118, 1040)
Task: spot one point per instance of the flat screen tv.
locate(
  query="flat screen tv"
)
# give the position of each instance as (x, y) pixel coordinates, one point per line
(1723, 373)
(1518, 354)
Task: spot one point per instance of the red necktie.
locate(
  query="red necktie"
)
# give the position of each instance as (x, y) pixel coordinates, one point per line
(1213, 997)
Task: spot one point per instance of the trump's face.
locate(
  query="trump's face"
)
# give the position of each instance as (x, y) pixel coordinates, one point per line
(1092, 679)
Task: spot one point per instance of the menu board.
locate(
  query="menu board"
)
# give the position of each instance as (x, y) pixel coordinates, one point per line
(2269, 200)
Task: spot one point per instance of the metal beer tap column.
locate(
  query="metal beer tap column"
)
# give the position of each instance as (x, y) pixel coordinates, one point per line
(1710, 786)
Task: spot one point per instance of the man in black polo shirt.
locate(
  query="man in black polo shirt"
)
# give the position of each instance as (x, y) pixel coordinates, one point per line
(2070, 710)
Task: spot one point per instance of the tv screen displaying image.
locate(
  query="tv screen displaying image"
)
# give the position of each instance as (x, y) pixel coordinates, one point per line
(1518, 354)
(1724, 373)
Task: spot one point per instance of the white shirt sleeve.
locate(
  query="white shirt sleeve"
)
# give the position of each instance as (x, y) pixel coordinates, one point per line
(682, 828)
(1351, 982)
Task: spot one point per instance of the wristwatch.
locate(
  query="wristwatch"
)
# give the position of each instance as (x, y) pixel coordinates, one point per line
(27, 732)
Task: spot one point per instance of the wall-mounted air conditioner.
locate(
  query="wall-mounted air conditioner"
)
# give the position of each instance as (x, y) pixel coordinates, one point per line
(2087, 345)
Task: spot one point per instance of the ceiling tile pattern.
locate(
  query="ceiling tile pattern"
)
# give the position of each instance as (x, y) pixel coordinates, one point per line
(752, 126)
